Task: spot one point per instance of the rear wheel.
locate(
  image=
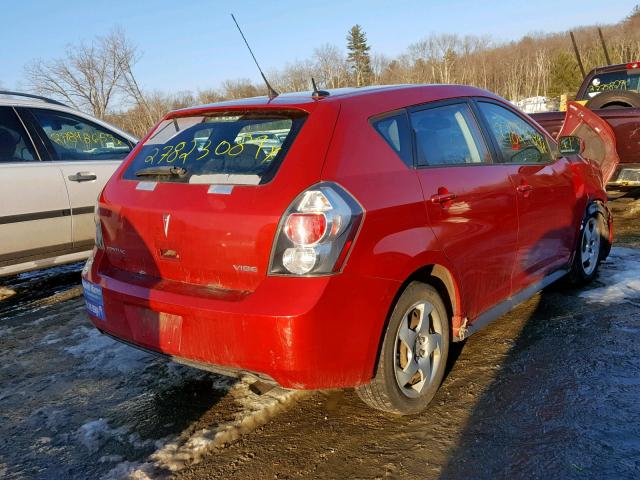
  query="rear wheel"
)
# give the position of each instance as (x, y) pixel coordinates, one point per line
(414, 353)
(591, 249)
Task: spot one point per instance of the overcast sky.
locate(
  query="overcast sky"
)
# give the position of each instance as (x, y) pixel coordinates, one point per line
(193, 44)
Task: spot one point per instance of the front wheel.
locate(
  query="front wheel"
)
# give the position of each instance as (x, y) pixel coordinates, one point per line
(590, 250)
(414, 353)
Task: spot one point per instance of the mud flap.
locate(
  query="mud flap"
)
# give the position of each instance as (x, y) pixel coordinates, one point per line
(598, 136)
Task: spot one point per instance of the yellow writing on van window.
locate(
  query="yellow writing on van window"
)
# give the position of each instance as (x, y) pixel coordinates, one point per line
(85, 140)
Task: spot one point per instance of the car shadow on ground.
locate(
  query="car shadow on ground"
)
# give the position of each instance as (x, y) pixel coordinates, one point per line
(564, 400)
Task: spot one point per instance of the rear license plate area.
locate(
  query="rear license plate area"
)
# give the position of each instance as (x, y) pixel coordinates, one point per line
(158, 330)
(93, 299)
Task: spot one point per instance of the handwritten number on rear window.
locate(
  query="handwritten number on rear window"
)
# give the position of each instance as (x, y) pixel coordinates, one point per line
(205, 149)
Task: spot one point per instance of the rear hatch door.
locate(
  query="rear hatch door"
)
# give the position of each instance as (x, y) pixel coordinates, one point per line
(200, 202)
(598, 136)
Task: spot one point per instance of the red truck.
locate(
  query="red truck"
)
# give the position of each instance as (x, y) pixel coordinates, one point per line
(613, 92)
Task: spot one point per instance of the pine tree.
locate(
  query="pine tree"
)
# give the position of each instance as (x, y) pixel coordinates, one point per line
(358, 57)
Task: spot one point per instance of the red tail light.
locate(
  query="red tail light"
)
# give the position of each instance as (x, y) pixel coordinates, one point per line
(305, 228)
(316, 232)
(633, 65)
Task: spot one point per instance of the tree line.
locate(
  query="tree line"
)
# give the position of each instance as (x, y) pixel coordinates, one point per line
(99, 77)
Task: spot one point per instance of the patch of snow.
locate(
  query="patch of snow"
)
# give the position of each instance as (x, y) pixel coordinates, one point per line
(535, 104)
(131, 471)
(620, 274)
(51, 339)
(93, 435)
(103, 353)
(190, 447)
(110, 459)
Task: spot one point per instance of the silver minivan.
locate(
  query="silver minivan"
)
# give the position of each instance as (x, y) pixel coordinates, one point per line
(54, 161)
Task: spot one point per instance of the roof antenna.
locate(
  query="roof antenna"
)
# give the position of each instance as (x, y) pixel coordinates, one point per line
(272, 93)
(318, 93)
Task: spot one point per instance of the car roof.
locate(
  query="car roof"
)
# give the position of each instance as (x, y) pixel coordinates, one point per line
(9, 101)
(422, 93)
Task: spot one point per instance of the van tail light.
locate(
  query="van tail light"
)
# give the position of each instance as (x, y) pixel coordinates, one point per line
(317, 232)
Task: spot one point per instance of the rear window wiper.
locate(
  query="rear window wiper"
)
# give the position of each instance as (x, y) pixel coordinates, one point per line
(164, 171)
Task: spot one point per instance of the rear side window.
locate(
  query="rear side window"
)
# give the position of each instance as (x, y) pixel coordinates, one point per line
(519, 141)
(395, 130)
(74, 138)
(15, 145)
(448, 135)
(220, 147)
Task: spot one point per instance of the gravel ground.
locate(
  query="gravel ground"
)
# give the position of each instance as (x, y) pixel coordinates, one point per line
(550, 390)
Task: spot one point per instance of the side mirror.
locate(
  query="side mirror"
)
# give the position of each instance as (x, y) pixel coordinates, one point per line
(571, 145)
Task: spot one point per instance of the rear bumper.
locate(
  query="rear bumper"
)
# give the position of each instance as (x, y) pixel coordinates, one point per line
(626, 175)
(304, 333)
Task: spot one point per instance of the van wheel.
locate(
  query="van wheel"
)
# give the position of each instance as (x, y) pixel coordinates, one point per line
(590, 250)
(414, 353)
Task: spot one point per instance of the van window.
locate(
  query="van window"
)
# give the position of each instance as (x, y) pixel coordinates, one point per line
(448, 135)
(395, 130)
(15, 146)
(221, 147)
(74, 138)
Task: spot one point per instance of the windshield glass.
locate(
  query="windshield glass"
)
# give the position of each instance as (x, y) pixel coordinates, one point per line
(612, 81)
(243, 147)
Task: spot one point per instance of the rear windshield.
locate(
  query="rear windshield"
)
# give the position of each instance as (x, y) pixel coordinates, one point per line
(217, 148)
(623, 80)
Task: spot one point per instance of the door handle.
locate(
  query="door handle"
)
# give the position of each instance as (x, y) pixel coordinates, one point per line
(525, 188)
(442, 198)
(83, 177)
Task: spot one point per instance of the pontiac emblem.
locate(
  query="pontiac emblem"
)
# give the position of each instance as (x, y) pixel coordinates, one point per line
(166, 218)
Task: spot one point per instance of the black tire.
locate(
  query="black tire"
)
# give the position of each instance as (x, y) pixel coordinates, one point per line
(384, 392)
(614, 99)
(586, 259)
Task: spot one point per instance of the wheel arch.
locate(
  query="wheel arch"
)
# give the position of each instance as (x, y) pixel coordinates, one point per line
(443, 280)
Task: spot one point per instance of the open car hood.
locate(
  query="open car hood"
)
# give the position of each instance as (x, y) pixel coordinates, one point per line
(598, 136)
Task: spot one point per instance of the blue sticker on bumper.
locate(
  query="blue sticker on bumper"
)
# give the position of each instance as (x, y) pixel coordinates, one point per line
(93, 299)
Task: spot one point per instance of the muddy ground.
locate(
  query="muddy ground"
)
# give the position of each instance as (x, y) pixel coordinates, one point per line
(550, 390)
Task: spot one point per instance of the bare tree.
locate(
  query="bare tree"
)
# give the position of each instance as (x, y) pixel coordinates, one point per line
(331, 66)
(88, 75)
(240, 88)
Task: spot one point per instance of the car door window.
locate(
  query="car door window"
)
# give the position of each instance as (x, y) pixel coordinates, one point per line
(15, 145)
(74, 138)
(519, 141)
(448, 135)
(395, 131)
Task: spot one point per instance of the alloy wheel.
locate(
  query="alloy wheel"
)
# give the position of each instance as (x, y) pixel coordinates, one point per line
(590, 247)
(418, 349)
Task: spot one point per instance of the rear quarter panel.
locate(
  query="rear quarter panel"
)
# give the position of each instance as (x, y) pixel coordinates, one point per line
(395, 239)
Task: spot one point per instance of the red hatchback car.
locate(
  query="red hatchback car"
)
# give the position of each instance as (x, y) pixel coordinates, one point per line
(343, 238)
